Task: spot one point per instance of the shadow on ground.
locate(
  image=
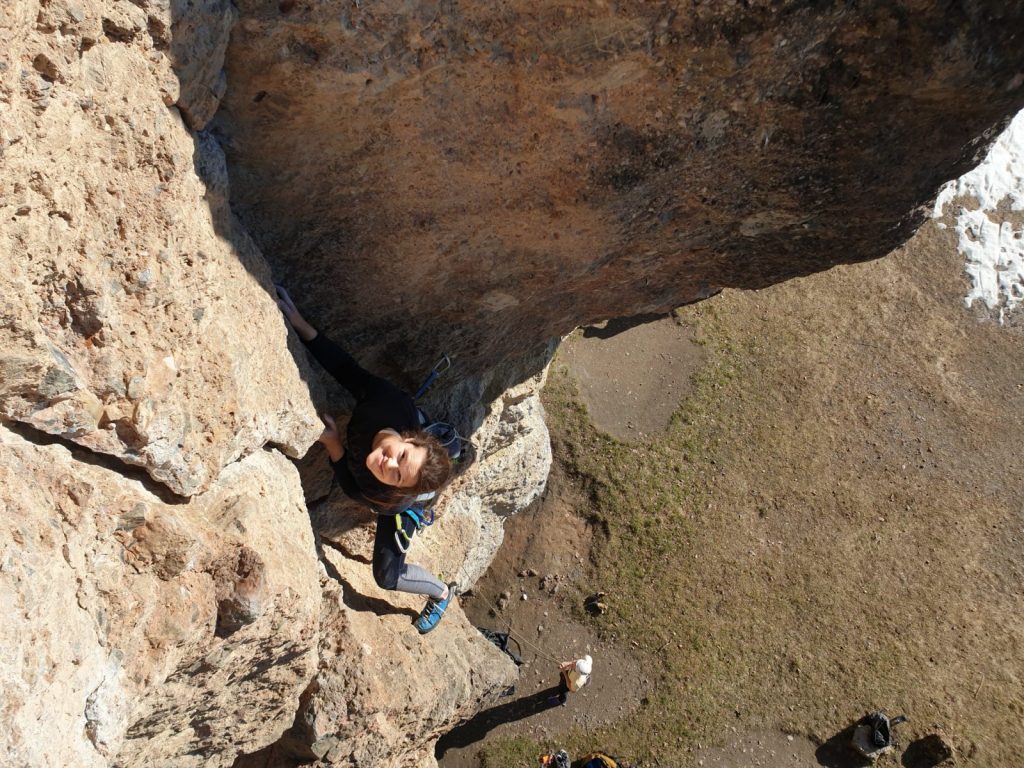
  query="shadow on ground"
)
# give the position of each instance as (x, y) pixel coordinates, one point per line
(484, 722)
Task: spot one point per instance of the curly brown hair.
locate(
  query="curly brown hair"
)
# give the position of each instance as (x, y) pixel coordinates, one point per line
(437, 466)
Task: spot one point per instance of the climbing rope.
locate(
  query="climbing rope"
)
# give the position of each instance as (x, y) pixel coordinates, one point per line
(519, 638)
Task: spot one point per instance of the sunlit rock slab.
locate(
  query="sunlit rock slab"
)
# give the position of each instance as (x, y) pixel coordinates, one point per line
(138, 632)
(135, 315)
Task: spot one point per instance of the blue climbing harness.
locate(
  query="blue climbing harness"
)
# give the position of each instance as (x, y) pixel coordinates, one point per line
(418, 517)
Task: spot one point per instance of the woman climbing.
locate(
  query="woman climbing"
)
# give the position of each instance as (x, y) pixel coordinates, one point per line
(386, 461)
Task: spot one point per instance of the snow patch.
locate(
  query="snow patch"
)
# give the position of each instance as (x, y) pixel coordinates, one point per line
(992, 247)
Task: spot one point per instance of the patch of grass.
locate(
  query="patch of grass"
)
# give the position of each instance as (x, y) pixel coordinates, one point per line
(648, 499)
(516, 750)
(648, 496)
(806, 541)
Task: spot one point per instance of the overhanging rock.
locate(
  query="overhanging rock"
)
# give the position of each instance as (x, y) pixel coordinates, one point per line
(479, 178)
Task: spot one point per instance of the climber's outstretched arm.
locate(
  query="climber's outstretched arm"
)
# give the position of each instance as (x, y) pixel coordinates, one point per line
(336, 361)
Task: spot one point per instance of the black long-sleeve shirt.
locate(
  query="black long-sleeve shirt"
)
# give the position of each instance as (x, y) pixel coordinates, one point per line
(379, 405)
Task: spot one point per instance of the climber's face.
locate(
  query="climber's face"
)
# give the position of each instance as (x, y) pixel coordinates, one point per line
(394, 460)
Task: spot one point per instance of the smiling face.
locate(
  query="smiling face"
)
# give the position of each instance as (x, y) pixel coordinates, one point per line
(394, 460)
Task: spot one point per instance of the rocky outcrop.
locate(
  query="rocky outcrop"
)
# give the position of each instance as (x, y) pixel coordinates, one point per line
(182, 618)
(134, 313)
(184, 634)
(197, 41)
(428, 178)
(478, 178)
(512, 459)
(143, 632)
(373, 667)
(382, 695)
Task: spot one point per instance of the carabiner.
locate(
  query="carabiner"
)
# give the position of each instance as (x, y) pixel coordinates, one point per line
(401, 534)
(444, 361)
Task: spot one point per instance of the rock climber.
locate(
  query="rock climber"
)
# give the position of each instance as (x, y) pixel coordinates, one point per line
(385, 462)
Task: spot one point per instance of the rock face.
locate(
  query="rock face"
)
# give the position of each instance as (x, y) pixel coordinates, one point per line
(513, 453)
(198, 39)
(373, 667)
(134, 313)
(427, 178)
(382, 695)
(184, 634)
(136, 321)
(477, 178)
(145, 633)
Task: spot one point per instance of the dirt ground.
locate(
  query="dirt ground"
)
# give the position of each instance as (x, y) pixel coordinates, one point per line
(632, 381)
(546, 557)
(831, 522)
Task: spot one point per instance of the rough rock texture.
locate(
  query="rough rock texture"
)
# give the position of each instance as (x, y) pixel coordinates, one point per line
(513, 453)
(479, 177)
(383, 695)
(374, 668)
(428, 177)
(145, 633)
(135, 321)
(134, 313)
(198, 39)
(404, 699)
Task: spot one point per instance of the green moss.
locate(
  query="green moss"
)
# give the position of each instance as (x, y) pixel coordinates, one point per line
(646, 498)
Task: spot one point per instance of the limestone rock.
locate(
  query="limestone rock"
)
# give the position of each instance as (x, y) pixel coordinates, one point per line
(513, 458)
(480, 178)
(143, 632)
(135, 315)
(199, 39)
(383, 693)
(473, 179)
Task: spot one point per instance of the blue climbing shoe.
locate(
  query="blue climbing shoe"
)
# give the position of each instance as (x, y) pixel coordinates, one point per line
(433, 611)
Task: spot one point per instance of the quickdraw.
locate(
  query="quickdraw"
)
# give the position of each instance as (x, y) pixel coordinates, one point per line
(442, 365)
(419, 518)
(445, 433)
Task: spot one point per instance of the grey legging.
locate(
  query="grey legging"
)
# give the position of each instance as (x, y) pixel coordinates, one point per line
(389, 566)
